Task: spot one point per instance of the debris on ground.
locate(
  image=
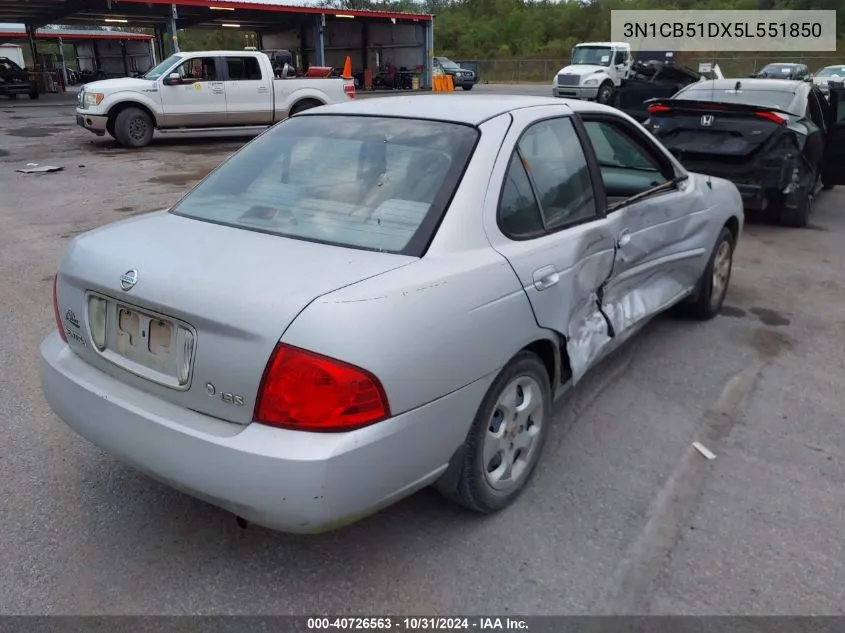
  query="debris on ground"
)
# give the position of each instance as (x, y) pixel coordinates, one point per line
(701, 448)
(35, 168)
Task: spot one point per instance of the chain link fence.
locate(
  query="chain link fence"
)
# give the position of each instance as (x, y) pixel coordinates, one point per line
(544, 70)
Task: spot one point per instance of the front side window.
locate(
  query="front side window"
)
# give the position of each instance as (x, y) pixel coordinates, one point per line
(157, 71)
(375, 183)
(198, 69)
(627, 169)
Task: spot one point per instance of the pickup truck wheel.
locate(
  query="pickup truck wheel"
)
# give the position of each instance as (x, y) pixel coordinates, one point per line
(133, 128)
(34, 94)
(305, 104)
(13, 96)
(506, 439)
(605, 93)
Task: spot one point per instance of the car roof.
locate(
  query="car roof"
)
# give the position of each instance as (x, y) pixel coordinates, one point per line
(783, 64)
(467, 109)
(775, 85)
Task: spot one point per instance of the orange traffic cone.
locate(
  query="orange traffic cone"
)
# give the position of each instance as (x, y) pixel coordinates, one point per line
(450, 84)
(347, 68)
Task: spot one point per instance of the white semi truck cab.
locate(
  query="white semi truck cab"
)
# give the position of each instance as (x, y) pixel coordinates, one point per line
(594, 72)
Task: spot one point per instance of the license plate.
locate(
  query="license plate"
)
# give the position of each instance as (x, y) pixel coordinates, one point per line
(140, 336)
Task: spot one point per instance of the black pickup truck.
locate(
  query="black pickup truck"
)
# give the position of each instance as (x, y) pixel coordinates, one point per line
(15, 80)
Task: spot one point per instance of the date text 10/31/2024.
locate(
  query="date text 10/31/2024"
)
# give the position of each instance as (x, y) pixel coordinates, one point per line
(402, 624)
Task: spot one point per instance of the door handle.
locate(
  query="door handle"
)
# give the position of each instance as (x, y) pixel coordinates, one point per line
(262, 89)
(624, 238)
(545, 277)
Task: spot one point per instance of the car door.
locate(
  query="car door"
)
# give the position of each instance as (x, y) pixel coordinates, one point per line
(661, 227)
(544, 214)
(833, 163)
(198, 99)
(249, 95)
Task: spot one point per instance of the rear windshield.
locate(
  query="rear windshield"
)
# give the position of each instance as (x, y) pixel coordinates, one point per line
(777, 99)
(776, 70)
(365, 182)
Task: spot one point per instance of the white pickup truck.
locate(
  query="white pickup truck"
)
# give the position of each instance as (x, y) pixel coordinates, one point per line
(594, 72)
(201, 91)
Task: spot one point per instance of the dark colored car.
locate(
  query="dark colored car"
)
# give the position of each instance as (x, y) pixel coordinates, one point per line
(799, 72)
(15, 80)
(649, 80)
(461, 77)
(778, 141)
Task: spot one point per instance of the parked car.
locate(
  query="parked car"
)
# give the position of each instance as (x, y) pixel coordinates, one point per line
(15, 80)
(377, 296)
(650, 80)
(776, 140)
(461, 77)
(783, 71)
(201, 91)
(827, 76)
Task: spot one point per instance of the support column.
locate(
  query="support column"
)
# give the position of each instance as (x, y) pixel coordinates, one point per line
(33, 47)
(428, 52)
(123, 55)
(320, 41)
(303, 48)
(64, 67)
(174, 38)
(160, 37)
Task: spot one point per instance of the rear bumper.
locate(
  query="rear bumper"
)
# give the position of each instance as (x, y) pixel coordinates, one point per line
(285, 480)
(16, 89)
(758, 186)
(92, 122)
(576, 92)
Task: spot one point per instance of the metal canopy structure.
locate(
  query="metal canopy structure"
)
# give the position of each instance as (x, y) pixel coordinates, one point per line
(314, 23)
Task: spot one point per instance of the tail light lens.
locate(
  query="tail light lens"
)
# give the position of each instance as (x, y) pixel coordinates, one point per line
(310, 392)
(349, 89)
(185, 354)
(97, 321)
(56, 309)
(657, 109)
(771, 116)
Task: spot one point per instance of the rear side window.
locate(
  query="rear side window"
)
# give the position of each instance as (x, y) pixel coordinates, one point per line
(519, 213)
(376, 183)
(243, 68)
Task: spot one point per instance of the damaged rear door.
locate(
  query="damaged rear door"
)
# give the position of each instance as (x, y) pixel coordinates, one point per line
(544, 213)
(833, 164)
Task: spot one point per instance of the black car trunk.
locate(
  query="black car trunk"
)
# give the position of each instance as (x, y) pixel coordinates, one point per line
(710, 131)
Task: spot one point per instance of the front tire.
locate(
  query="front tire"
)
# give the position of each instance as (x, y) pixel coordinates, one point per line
(133, 128)
(507, 437)
(714, 282)
(468, 86)
(605, 93)
(34, 94)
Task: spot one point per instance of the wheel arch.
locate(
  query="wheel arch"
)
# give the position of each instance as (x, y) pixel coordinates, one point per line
(117, 108)
(309, 102)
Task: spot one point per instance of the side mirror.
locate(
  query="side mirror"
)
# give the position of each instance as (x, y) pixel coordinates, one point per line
(173, 79)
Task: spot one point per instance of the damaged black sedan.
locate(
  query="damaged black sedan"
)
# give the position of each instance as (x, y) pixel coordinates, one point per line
(779, 141)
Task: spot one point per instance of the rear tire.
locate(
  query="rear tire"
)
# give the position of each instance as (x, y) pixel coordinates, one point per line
(34, 94)
(468, 86)
(507, 437)
(714, 282)
(133, 128)
(13, 96)
(305, 104)
(799, 217)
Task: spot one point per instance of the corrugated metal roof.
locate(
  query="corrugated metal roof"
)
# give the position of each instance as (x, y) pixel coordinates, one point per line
(74, 33)
(303, 6)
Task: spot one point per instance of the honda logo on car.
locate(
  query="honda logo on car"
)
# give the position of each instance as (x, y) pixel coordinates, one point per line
(707, 120)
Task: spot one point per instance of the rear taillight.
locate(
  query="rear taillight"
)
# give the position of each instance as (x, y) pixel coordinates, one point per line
(97, 321)
(309, 392)
(56, 309)
(349, 89)
(658, 109)
(771, 116)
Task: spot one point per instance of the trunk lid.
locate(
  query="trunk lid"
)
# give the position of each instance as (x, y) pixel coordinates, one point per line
(728, 131)
(234, 291)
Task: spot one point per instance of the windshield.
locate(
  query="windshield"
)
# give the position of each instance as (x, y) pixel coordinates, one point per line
(447, 63)
(777, 99)
(157, 71)
(832, 71)
(365, 182)
(593, 55)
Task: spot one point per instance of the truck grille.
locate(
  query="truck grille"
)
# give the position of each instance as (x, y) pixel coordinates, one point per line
(568, 80)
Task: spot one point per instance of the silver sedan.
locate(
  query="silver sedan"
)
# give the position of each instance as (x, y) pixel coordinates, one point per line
(378, 296)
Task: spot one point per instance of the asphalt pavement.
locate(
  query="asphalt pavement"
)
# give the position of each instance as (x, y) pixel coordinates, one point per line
(623, 516)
